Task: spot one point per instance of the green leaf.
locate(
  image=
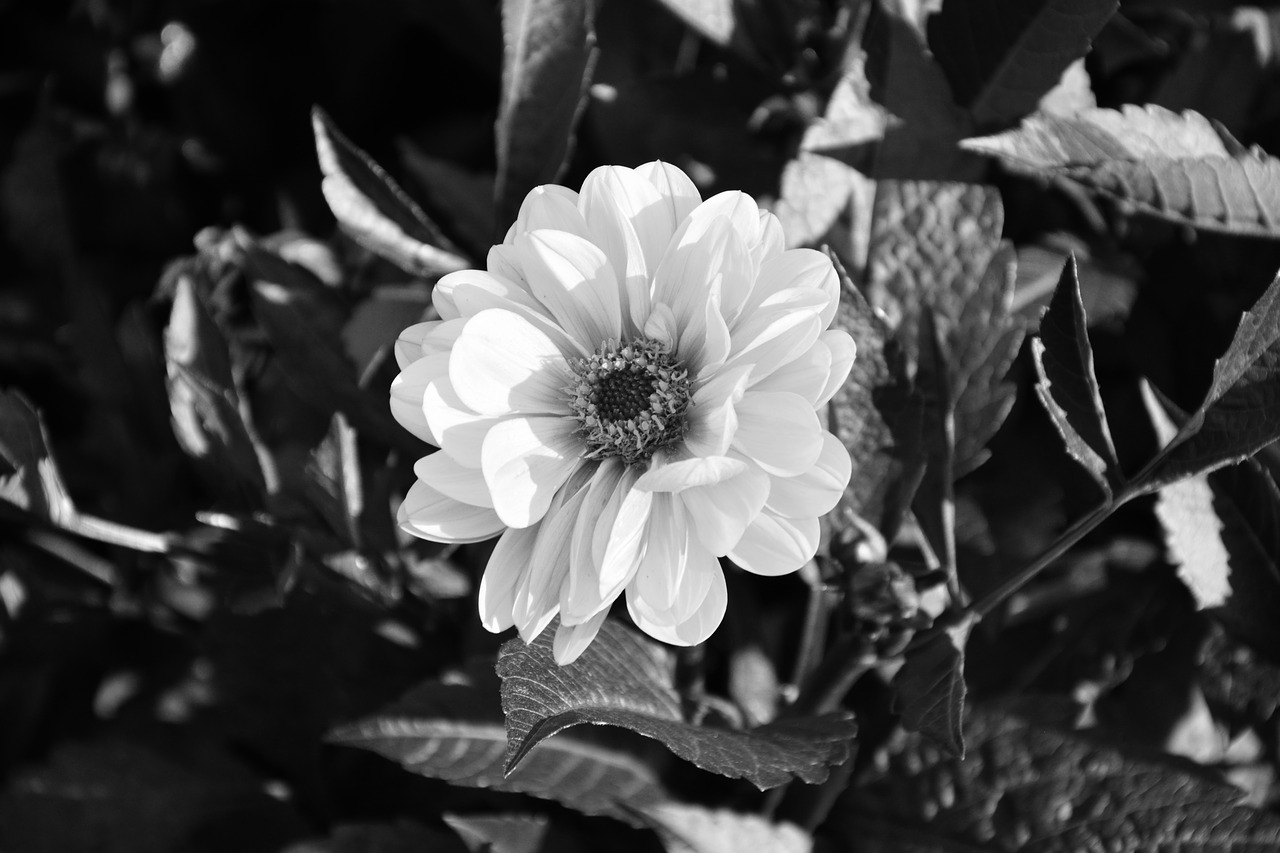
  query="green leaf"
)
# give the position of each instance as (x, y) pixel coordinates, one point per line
(625, 680)
(31, 481)
(1037, 789)
(694, 829)
(372, 208)
(1002, 56)
(930, 686)
(455, 732)
(1068, 387)
(1153, 161)
(546, 71)
(501, 833)
(203, 398)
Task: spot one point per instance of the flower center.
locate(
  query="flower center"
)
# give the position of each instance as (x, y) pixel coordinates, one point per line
(630, 400)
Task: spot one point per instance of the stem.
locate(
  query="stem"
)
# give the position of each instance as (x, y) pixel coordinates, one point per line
(113, 533)
(834, 677)
(815, 623)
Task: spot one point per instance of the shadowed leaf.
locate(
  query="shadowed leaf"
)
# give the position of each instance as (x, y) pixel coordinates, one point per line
(29, 478)
(930, 686)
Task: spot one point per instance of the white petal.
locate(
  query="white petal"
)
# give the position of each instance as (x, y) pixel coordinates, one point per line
(444, 474)
(408, 346)
(428, 514)
(815, 492)
(537, 600)
(773, 240)
(574, 280)
(700, 624)
(719, 513)
(506, 569)
(502, 364)
(779, 431)
(407, 391)
(624, 543)
(806, 375)
(739, 208)
(459, 431)
(712, 419)
(663, 564)
(779, 331)
(661, 326)
(525, 462)
(553, 207)
(798, 268)
(479, 290)
(680, 195)
(504, 262)
(580, 598)
(689, 473)
(777, 546)
(631, 223)
(572, 640)
(843, 349)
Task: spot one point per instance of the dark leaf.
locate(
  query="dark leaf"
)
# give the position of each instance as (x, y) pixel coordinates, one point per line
(501, 833)
(711, 19)
(1068, 387)
(930, 686)
(1176, 167)
(372, 208)
(334, 482)
(466, 198)
(403, 836)
(1002, 56)
(203, 397)
(455, 732)
(546, 71)
(1032, 788)
(29, 478)
(1237, 680)
(625, 680)
(694, 829)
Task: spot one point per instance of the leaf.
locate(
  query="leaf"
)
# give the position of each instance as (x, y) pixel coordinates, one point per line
(712, 19)
(546, 71)
(402, 836)
(501, 833)
(814, 191)
(455, 732)
(875, 415)
(852, 119)
(625, 680)
(1033, 788)
(32, 481)
(1068, 387)
(694, 829)
(1237, 680)
(465, 197)
(372, 208)
(203, 397)
(334, 483)
(1002, 56)
(1153, 161)
(930, 686)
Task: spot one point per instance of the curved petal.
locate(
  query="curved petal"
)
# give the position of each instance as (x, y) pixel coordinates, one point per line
(572, 640)
(712, 419)
(806, 375)
(501, 364)
(689, 473)
(525, 462)
(553, 207)
(817, 491)
(458, 430)
(719, 513)
(581, 597)
(444, 474)
(574, 280)
(779, 431)
(408, 345)
(537, 600)
(479, 290)
(407, 392)
(662, 566)
(624, 544)
(680, 196)
(806, 269)
(502, 576)
(780, 330)
(843, 350)
(773, 240)
(777, 546)
(428, 514)
(701, 622)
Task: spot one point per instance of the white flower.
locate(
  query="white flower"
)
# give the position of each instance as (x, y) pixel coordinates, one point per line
(628, 393)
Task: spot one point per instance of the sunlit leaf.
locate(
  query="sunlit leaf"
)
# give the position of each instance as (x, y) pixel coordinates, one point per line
(694, 829)
(711, 19)
(501, 833)
(29, 478)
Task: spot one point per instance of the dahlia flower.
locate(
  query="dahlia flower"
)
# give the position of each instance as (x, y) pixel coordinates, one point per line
(628, 393)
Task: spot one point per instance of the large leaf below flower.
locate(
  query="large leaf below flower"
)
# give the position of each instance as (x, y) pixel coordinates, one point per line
(1037, 789)
(624, 680)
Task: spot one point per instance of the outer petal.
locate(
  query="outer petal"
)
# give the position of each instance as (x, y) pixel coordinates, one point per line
(466, 293)
(447, 476)
(798, 268)
(537, 600)
(779, 331)
(501, 364)
(719, 513)
(586, 594)
(688, 473)
(843, 350)
(815, 492)
(712, 418)
(407, 391)
(428, 514)
(551, 206)
(662, 568)
(679, 195)
(408, 346)
(779, 431)
(777, 546)
(502, 576)
(572, 640)
(806, 375)
(574, 280)
(459, 431)
(695, 628)
(525, 462)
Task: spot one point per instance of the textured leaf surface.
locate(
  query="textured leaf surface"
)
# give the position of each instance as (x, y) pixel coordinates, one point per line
(1068, 387)
(624, 680)
(1170, 165)
(372, 208)
(693, 829)
(1032, 788)
(501, 833)
(546, 70)
(455, 732)
(930, 686)
(1002, 56)
(29, 479)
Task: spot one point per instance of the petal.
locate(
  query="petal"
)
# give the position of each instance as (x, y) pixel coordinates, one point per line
(479, 290)
(689, 473)
(806, 375)
(712, 420)
(719, 513)
(663, 564)
(700, 624)
(777, 546)
(773, 240)
(779, 331)
(779, 431)
(537, 600)
(620, 556)
(408, 346)
(572, 640)
(525, 461)
(817, 491)
(574, 280)
(798, 268)
(447, 476)
(459, 431)
(407, 393)
(428, 514)
(631, 223)
(502, 364)
(843, 349)
(506, 569)
(553, 207)
(678, 192)
(580, 598)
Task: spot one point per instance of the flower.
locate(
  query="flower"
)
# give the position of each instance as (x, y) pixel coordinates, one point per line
(627, 394)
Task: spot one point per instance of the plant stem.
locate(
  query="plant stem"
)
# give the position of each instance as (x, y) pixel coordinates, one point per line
(112, 533)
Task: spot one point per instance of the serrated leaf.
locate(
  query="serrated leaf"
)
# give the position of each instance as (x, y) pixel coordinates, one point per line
(694, 829)
(714, 20)
(203, 398)
(1157, 162)
(31, 481)
(547, 65)
(374, 210)
(501, 833)
(625, 680)
(1002, 56)
(930, 688)
(455, 732)
(1068, 387)
(1036, 789)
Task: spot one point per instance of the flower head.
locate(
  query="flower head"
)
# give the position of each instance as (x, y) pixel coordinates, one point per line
(628, 393)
